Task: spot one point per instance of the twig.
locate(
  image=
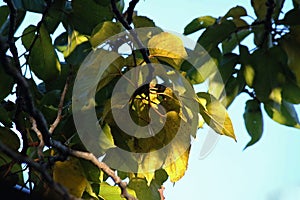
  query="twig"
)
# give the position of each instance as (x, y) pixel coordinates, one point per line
(130, 10)
(60, 107)
(47, 177)
(161, 192)
(39, 134)
(121, 19)
(101, 165)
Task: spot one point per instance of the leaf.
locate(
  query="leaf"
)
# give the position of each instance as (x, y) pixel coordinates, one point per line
(67, 43)
(283, 113)
(198, 24)
(215, 114)
(87, 14)
(55, 15)
(261, 8)
(176, 169)
(37, 6)
(108, 192)
(236, 38)
(291, 48)
(70, 174)
(215, 34)
(5, 118)
(9, 138)
(236, 12)
(200, 66)
(103, 31)
(291, 92)
(142, 21)
(253, 121)
(167, 47)
(6, 82)
(291, 17)
(4, 12)
(141, 189)
(43, 60)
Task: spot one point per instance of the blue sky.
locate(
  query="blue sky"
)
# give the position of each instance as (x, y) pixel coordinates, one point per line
(269, 170)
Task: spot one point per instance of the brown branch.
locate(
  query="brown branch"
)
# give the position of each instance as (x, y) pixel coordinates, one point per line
(47, 177)
(101, 165)
(161, 192)
(60, 107)
(40, 136)
(130, 10)
(121, 19)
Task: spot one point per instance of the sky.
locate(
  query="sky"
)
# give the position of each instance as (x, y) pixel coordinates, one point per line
(269, 170)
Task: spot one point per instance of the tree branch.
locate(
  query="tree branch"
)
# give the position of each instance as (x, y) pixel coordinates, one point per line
(101, 165)
(130, 10)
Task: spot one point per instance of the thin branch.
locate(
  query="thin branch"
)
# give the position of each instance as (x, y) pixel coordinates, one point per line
(40, 136)
(60, 107)
(121, 19)
(101, 165)
(47, 177)
(130, 10)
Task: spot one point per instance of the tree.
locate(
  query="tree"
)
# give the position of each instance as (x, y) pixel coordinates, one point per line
(116, 86)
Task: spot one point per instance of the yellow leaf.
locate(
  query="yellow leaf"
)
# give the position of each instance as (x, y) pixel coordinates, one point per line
(215, 115)
(168, 48)
(177, 168)
(70, 174)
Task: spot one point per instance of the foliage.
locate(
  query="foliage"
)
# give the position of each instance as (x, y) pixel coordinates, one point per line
(269, 73)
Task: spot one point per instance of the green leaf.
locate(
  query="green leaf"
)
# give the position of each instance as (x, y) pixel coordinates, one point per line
(108, 192)
(283, 113)
(291, 17)
(66, 43)
(200, 66)
(236, 12)
(55, 15)
(268, 66)
(215, 114)
(103, 31)
(43, 60)
(260, 8)
(291, 47)
(236, 38)
(4, 12)
(215, 34)
(142, 21)
(253, 121)
(198, 24)
(291, 92)
(5, 117)
(9, 138)
(87, 14)
(6, 82)
(37, 6)
(142, 190)
(168, 48)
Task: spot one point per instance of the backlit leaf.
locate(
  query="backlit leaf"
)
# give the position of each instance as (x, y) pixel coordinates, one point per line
(198, 24)
(109, 192)
(253, 121)
(70, 174)
(177, 168)
(167, 47)
(215, 114)
(283, 113)
(142, 21)
(103, 31)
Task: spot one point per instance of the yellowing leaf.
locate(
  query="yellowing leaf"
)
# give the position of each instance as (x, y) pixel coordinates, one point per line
(108, 192)
(103, 31)
(70, 174)
(167, 47)
(215, 115)
(177, 168)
